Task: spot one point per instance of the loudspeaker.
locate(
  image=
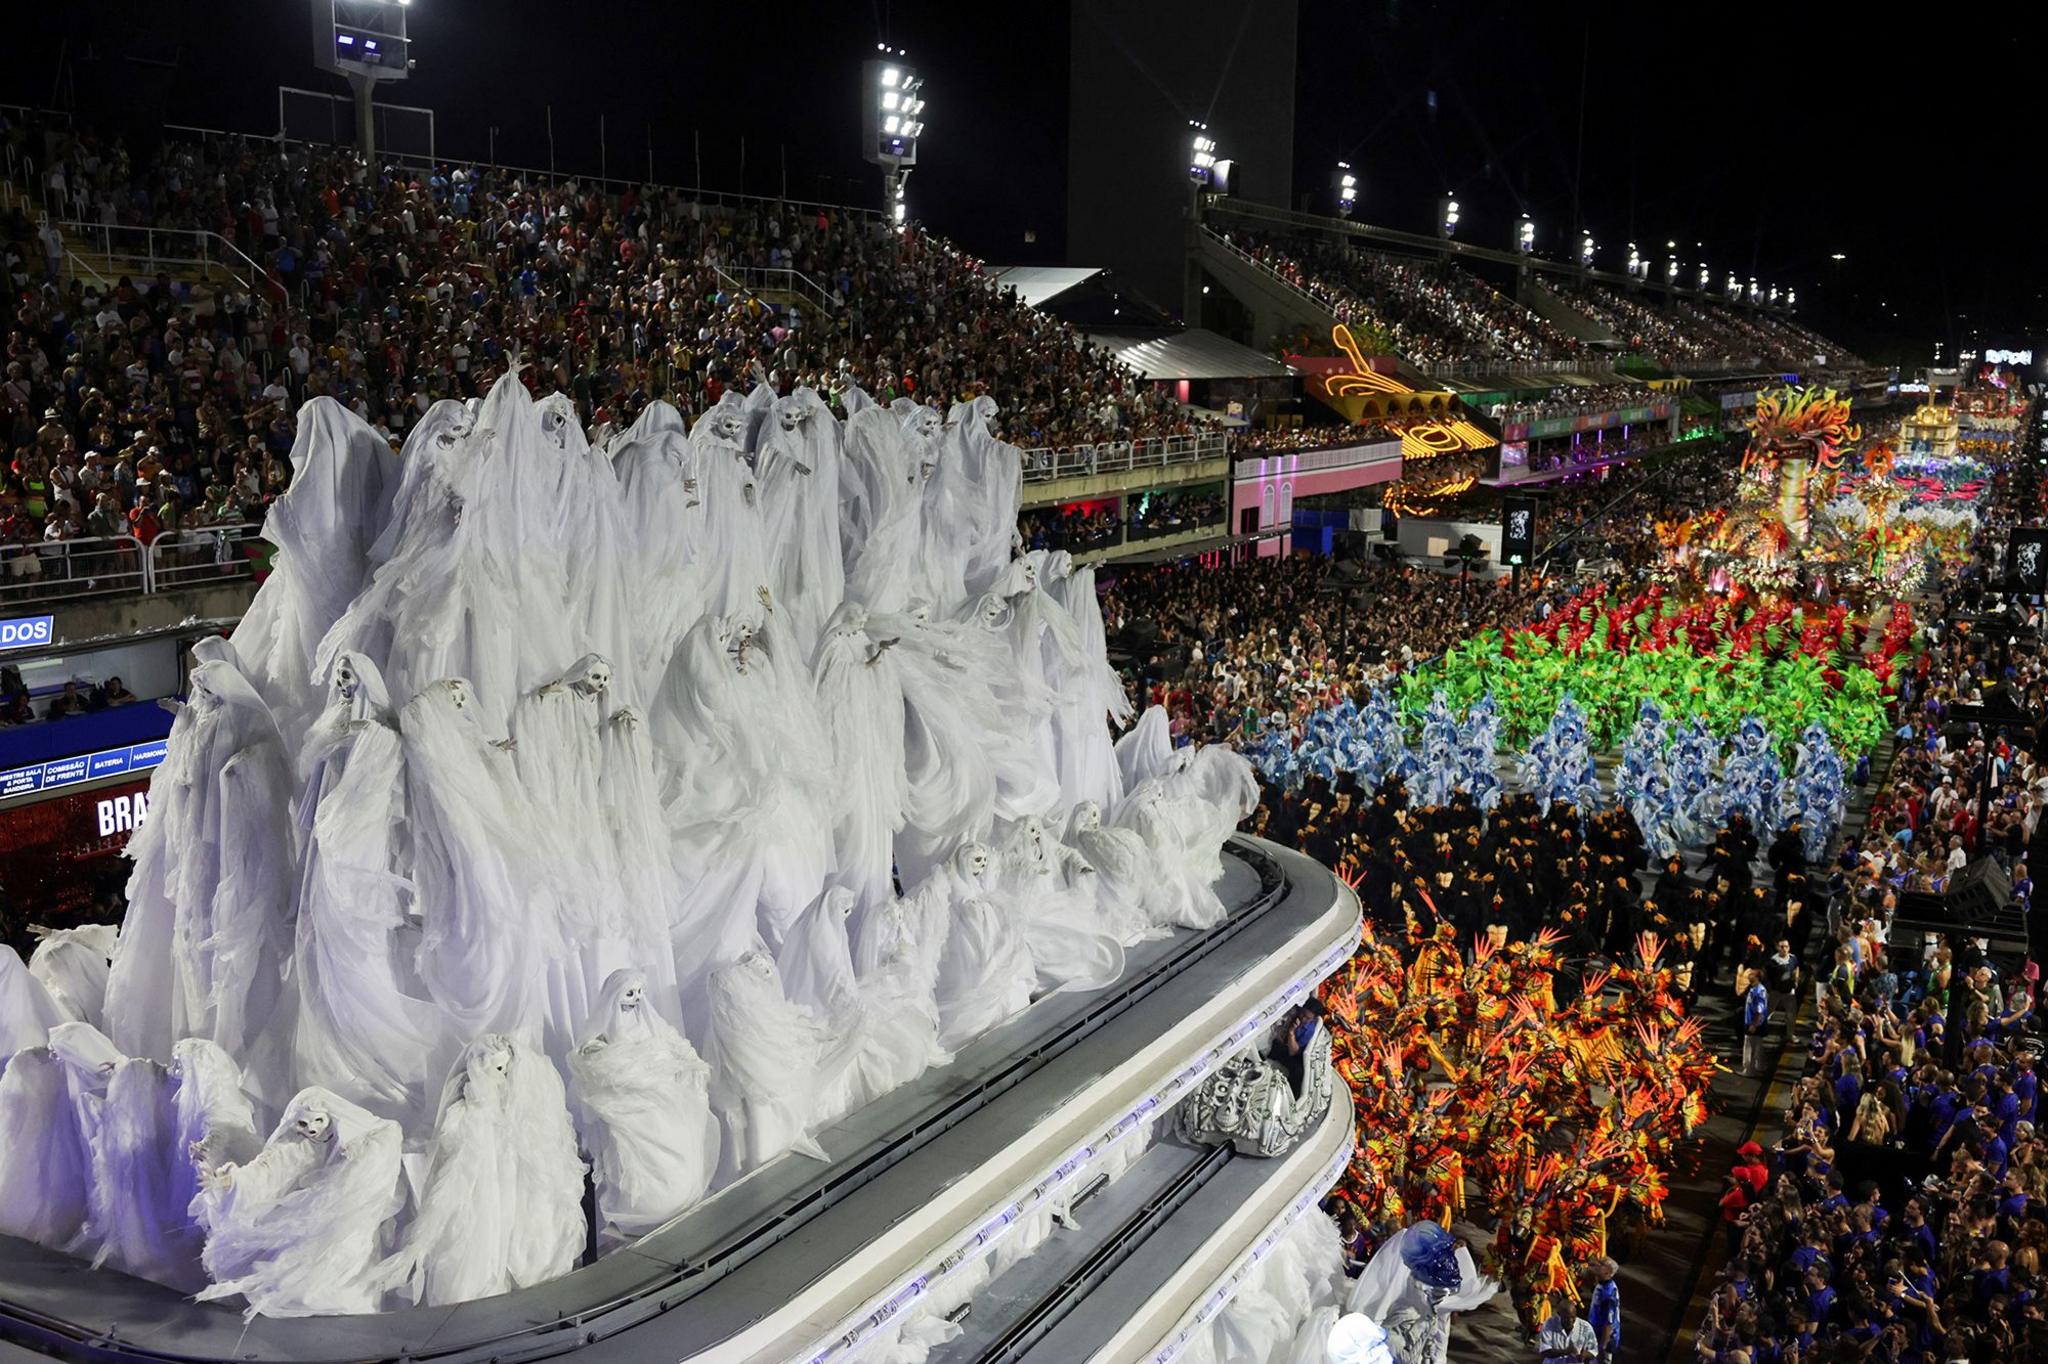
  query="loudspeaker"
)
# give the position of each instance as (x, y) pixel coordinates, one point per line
(2026, 561)
(1517, 530)
(1977, 892)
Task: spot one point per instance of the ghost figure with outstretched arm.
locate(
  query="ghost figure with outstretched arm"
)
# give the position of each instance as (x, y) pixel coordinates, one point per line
(487, 927)
(796, 467)
(986, 974)
(879, 1033)
(301, 1228)
(502, 1204)
(216, 1120)
(1413, 1284)
(45, 1166)
(764, 1055)
(860, 698)
(971, 504)
(360, 1033)
(641, 1095)
(72, 964)
(558, 751)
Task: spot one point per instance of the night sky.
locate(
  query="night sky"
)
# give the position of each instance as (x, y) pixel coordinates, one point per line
(1777, 135)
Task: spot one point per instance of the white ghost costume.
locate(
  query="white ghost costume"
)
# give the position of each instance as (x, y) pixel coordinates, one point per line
(72, 964)
(301, 1228)
(212, 889)
(642, 1100)
(796, 466)
(45, 1166)
(487, 925)
(1127, 894)
(986, 974)
(27, 1012)
(217, 1123)
(1071, 947)
(881, 511)
(860, 698)
(502, 1205)
(360, 1033)
(764, 1055)
(89, 1061)
(878, 1036)
(1091, 699)
(142, 1175)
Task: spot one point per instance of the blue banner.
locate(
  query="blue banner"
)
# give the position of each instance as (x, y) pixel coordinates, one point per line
(22, 781)
(23, 632)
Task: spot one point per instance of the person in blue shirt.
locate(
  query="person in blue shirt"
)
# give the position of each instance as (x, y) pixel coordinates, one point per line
(1756, 1018)
(1603, 1309)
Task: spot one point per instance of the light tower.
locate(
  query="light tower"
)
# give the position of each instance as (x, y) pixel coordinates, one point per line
(1586, 250)
(1347, 189)
(892, 119)
(1525, 235)
(363, 42)
(1447, 218)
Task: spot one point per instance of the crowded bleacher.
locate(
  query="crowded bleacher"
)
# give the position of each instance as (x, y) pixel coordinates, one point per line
(146, 406)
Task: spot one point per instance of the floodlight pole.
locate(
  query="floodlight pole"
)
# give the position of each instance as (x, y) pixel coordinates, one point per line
(366, 120)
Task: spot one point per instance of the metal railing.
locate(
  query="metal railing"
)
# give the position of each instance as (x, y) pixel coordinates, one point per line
(1122, 456)
(203, 557)
(121, 565)
(149, 249)
(1519, 369)
(72, 570)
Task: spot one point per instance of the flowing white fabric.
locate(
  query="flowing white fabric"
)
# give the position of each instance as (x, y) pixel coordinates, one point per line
(986, 974)
(1071, 947)
(72, 964)
(359, 1032)
(880, 1032)
(141, 1177)
(501, 1208)
(45, 1166)
(301, 1228)
(764, 1056)
(642, 1099)
(27, 1012)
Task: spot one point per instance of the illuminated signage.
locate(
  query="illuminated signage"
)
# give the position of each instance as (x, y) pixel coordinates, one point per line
(25, 631)
(123, 814)
(2007, 357)
(22, 781)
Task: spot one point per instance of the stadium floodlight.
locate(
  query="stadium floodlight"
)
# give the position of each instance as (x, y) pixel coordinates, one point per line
(1755, 293)
(1635, 262)
(1347, 189)
(1838, 256)
(1586, 250)
(1447, 218)
(1734, 286)
(1202, 153)
(1671, 270)
(1791, 298)
(1774, 295)
(1706, 276)
(892, 121)
(1525, 235)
